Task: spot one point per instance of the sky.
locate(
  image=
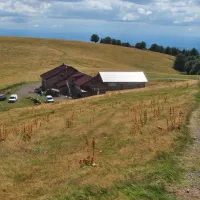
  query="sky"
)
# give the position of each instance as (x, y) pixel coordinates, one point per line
(166, 22)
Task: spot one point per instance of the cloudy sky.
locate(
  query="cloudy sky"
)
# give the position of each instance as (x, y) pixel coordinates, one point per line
(162, 21)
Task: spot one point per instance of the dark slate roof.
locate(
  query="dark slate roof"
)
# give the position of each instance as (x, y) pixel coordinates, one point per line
(80, 80)
(77, 74)
(83, 79)
(54, 71)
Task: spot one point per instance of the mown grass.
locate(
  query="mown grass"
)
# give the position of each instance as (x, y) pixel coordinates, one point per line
(24, 59)
(41, 153)
(12, 89)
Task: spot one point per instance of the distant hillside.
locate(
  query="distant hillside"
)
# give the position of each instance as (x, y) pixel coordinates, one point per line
(24, 59)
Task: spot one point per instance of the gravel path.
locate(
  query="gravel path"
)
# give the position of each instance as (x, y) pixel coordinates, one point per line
(28, 90)
(191, 162)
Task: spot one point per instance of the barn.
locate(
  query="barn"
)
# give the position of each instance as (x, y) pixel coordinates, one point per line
(56, 75)
(122, 80)
(69, 81)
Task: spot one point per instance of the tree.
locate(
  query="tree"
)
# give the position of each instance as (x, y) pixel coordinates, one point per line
(189, 66)
(186, 52)
(192, 65)
(154, 47)
(114, 42)
(168, 50)
(94, 38)
(194, 52)
(107, 40)
(141, 45)
(161, 49)
(137, 45)
(126, 44)
(179, 63)
(195, 68)
(101, 41)
(119, 42)
(175, 51)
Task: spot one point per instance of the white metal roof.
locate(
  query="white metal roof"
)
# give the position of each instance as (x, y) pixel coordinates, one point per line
(108, 77)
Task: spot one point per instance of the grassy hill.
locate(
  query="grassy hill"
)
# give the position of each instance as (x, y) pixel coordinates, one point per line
(122, 145)
(24, 59)
(134, 136)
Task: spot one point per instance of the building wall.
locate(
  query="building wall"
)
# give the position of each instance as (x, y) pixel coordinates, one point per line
(93, 85)
(123, 86)
(63, 90)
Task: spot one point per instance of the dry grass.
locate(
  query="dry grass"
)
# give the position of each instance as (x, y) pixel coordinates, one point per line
(42, 146)
(24, 59)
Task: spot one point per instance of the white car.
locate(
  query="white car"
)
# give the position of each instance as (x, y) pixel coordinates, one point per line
(13, 98)
(49, 99)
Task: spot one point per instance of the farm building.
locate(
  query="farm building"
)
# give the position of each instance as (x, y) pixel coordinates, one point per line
(72, 82)
(122, 80)
(56, 75)
(69, 81)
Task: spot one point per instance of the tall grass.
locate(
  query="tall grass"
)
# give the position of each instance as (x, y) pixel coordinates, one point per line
(121, 143)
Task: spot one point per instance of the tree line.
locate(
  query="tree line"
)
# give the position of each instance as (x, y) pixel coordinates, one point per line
(187, 61)
(190, 64)
(108, 40)
(174, 51)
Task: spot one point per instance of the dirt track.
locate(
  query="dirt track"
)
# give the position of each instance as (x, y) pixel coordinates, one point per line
(191, 163)
(28, 90)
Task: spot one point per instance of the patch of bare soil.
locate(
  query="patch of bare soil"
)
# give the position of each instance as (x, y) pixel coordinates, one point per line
(190, 189)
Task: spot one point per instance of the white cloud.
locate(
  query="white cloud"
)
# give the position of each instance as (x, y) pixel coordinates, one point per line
(143, 11)
(166, 12)
(129, 17)
(186, 19)
(56, 26)
(100, 5)
(4, 18)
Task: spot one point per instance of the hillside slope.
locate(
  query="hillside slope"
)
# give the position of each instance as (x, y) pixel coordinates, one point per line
(46, 152)
(24, 59)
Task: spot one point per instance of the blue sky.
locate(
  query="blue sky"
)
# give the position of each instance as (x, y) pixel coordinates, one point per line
(167, 22)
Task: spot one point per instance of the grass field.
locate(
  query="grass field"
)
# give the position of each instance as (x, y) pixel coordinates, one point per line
(24, 59)
(48, 152)
(122, 145)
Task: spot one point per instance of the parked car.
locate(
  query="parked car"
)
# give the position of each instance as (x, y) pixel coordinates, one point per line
(38, 90)
(53, 92)
(49, 99)
(13, 98)
(2, 97)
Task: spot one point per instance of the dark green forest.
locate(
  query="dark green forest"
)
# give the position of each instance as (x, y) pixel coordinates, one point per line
(189, 64)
